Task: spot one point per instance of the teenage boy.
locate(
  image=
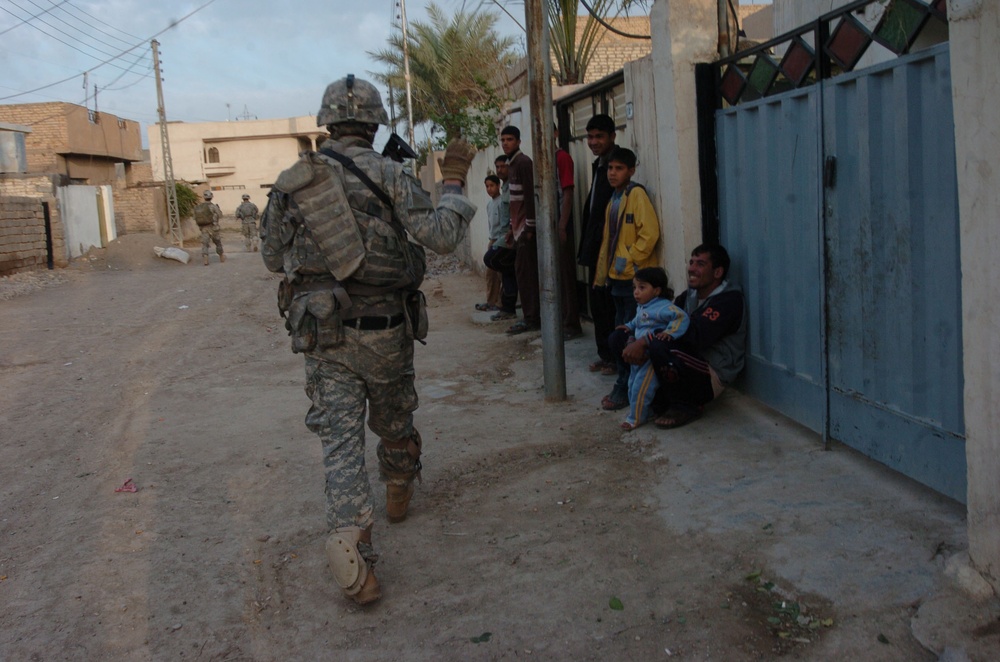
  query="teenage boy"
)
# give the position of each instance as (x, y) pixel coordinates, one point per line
(631, 232)
(600, 140)
(566, 179)
(499, 257)
(521, 173)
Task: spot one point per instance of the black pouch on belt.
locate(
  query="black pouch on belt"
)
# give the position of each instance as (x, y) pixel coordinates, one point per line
(415, 308)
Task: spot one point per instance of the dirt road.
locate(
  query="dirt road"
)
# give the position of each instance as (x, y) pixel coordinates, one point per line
(540, 530)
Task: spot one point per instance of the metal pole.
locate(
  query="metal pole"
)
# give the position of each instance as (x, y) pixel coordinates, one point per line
(543, 144)
(406, 70)
(173, 213)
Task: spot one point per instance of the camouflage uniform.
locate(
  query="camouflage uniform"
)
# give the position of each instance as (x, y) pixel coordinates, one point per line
(210, 231)
(350, 366)
(247, 213)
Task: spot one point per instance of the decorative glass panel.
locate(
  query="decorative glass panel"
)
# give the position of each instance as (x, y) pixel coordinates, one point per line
(848, 42)
(732, 84)
(798, 61)
(762, 74)
(900, 24)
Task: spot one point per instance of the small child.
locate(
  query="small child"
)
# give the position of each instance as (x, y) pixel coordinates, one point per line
(492, 303)
(631, 232)
(655, 315)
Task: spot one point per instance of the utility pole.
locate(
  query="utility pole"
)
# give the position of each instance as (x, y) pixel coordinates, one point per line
(546, 224)
(406, 71)
(173, 211)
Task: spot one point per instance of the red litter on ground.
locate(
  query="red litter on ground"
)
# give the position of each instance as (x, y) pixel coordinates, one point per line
(127, 486)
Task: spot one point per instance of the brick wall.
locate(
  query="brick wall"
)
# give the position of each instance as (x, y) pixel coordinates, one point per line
(19, 234)
(22, 235)
(48, 132)
(139, 201)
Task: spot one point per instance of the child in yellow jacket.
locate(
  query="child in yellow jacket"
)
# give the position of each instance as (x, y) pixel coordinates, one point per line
(631, 232)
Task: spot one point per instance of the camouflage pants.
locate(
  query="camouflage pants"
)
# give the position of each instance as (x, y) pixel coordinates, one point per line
(373, 368)
(250, 237)
(210, 233)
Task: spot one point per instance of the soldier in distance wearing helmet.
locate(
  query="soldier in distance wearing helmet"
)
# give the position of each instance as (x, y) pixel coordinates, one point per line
(247, 214)
(207, 215)
(346, 226)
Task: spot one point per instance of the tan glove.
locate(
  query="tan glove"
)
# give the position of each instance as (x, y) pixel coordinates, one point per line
(458, 157)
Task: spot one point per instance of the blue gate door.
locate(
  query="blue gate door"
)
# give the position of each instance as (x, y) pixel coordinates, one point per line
(838, 203)
(893, 275)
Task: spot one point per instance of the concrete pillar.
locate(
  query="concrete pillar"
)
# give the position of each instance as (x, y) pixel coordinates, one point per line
(974, 35)
(684, 33)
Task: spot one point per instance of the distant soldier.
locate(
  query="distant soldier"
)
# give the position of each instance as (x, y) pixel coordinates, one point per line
(338, 224)
(247, 213)
(207, 215)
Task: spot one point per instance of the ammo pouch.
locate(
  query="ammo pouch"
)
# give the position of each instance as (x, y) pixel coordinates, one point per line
(415, 310)
(312, 319)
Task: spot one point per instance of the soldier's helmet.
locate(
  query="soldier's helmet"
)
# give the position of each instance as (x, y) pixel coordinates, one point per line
(246, 197)
(208, 195)
(351, 99)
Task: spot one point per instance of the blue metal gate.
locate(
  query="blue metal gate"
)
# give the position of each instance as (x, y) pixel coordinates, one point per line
(838, 203)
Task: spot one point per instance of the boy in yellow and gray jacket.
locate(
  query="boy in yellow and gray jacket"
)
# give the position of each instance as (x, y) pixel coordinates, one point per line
(631, 232)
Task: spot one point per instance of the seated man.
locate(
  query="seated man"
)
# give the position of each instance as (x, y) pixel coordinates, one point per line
(694, 369)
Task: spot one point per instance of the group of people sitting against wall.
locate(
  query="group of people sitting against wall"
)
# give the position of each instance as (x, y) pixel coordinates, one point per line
(669, 356)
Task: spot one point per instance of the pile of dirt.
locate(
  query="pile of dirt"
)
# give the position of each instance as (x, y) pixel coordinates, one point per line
(29, 281)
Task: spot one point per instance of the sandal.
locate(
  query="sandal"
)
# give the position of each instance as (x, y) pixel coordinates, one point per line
(518, 327)
(608, 404)
(599, 366)
(676, 418)
(628, 427)
(486, 307)
(502, 315)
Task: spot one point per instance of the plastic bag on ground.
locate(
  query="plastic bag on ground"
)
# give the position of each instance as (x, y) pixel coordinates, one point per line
(172, 253)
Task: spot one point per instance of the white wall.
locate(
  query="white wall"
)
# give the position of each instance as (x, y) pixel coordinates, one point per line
(683, 34)
(975, 33)
(78, 209)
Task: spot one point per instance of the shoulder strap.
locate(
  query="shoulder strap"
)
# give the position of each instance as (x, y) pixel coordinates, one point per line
(349, 163)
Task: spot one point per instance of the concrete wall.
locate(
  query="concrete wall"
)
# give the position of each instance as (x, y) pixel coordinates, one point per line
(683, 34)
(975, 33)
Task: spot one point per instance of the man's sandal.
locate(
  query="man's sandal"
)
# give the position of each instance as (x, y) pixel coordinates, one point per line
(676, 418)
(519, 327)
(608, 404)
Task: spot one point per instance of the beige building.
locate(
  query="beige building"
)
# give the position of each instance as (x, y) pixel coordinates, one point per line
(233, 158)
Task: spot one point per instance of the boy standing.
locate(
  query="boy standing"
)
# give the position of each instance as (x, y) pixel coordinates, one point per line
(631, 232)
(499, 256)
(521, 171)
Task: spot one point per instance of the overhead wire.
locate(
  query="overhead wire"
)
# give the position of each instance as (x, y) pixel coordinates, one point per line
(70, 25)
(31, 18)
(173, 24)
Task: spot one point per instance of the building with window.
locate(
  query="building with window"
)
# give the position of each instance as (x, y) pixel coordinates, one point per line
(233, 158)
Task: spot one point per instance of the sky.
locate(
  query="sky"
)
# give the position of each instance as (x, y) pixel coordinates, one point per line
(221, 59)
(228, 60)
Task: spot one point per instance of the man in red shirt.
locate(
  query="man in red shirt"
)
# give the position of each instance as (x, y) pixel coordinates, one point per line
(521, 177)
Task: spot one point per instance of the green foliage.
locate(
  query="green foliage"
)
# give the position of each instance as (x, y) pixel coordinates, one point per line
(457, 66)
(571, 57)
(187, 199)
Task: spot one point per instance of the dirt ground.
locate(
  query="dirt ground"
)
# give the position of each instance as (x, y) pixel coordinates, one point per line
(540, 530)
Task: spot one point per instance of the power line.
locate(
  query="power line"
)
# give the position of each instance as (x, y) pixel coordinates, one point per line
(31, 18)
(127, 34)
(65, 22)
(173, 24)
(66, 43)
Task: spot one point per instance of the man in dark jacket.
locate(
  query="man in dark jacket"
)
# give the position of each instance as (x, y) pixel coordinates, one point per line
(695, 368)
(600, 140)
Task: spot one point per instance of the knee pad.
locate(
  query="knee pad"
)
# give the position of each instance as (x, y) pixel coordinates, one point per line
(349, 568)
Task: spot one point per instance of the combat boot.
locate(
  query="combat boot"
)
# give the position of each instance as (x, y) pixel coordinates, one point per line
(397, 501)
(399, 464)
(350, 570)
(222, 257)
(205, 259)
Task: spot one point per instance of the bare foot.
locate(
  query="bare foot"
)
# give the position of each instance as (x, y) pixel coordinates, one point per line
(628, 427)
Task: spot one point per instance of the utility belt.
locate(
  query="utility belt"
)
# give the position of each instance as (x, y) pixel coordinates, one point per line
(317, 312)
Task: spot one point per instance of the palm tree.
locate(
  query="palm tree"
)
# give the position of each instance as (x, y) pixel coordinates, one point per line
(457, 64)
(571, 58)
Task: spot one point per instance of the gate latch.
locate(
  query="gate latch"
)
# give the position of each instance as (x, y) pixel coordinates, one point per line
(830, 172)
